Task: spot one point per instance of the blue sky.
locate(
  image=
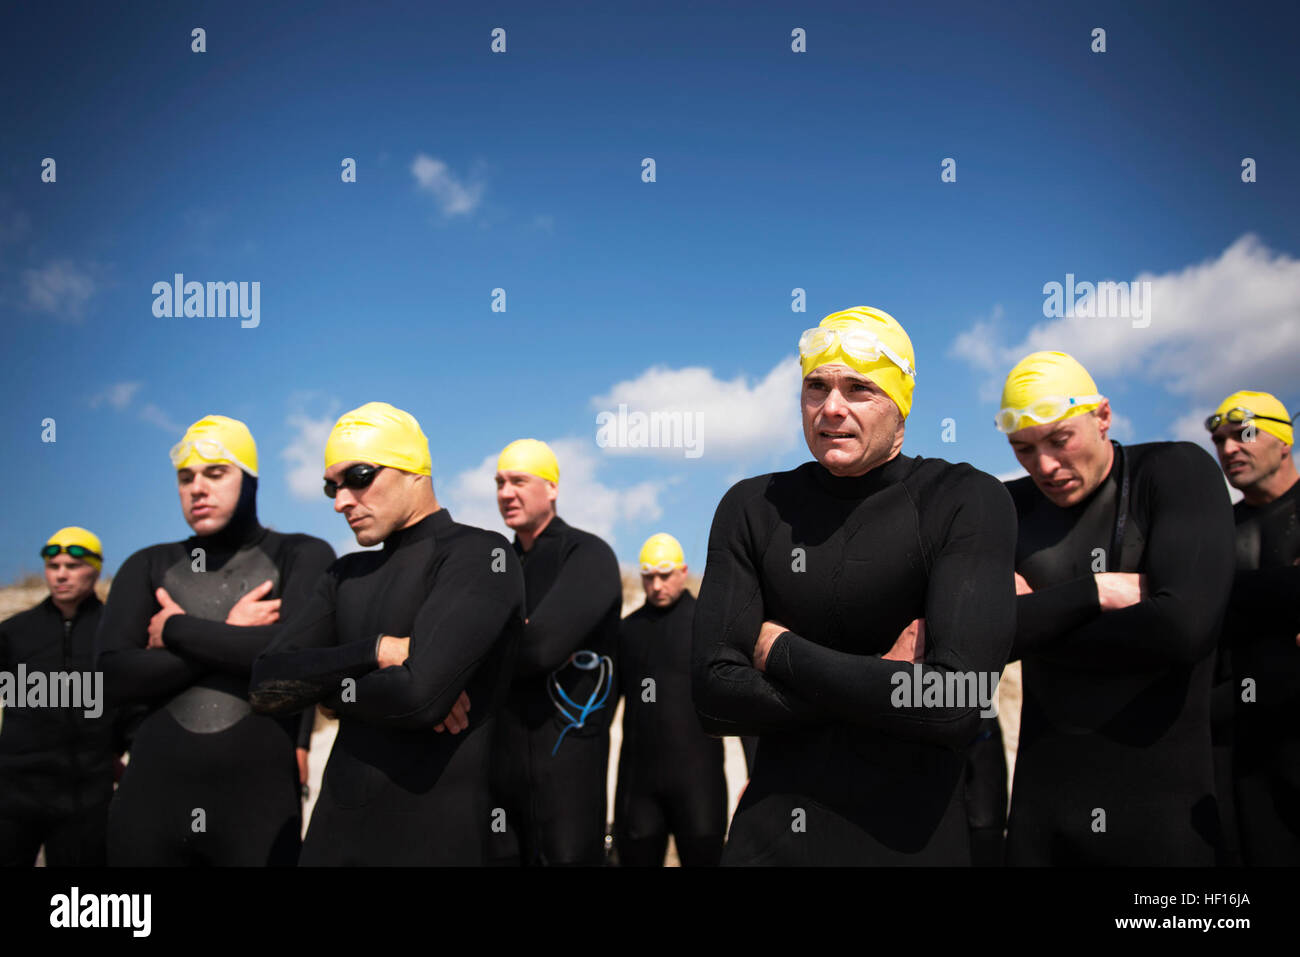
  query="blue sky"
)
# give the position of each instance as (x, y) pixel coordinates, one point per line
(523, 171)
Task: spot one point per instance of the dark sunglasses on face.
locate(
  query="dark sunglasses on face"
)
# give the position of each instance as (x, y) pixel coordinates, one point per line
(76, 551)
(358, 476)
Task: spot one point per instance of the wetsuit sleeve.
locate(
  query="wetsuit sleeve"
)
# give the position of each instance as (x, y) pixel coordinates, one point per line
(457, 627)
(223, 647)
(574, 606)
(1267, 600)
(970, 619)
(303, 663)
(731, 696)
(1045, 613)
(305, 728)
(1188, 565)
(132, 670)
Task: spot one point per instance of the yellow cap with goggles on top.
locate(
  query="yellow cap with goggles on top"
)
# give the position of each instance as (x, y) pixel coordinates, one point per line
(80, 543)
(213, 439)
(661, 553)
(1263, 408)
(869, 341)
(1045, 387)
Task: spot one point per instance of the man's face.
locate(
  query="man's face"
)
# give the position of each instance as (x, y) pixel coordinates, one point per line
(850, 424)
(69, 579)
(1067, 459)
(209, 495)
(1248, 462)
(662, 589)
(525, 500)
(376, 511)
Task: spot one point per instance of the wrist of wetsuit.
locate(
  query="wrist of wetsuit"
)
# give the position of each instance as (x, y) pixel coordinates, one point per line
(778, 656)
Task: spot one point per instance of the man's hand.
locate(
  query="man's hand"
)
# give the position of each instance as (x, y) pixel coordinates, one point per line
(302, 764)
(1022, 586)
(766, 635)
(160, 617)
(910, 644)
(251, 610)
(327, 713)
(458, 720)
(1116, 590)
(393, 651)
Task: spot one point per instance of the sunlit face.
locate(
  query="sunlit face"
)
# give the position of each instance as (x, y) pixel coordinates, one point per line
(526, 500)
(850, 424)
(381, 508)
(209, 495)
(69, 579)
(1248, 462)
(662, 589)
(1067, 459)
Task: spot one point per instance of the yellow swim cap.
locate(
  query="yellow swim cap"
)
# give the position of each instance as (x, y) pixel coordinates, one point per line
(1046, 387)
(895, 374)
(216, 438)
(381, 434)
(661, 552)
(531, 456)
(76, 535)
(1261, 404)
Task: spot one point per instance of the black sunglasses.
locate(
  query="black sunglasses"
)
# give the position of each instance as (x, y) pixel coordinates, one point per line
(358, 476)
(1238, 416)
(76, 551)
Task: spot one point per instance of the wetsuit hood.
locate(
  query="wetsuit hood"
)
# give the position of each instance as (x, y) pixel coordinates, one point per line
(243, 526)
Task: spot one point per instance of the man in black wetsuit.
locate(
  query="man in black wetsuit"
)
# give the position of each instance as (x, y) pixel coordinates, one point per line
(670, 773)
(208, 782)
(1123, 565)
(807, 632)
(410, 646)
(57, 763)
(1253, 434)
(555, 733)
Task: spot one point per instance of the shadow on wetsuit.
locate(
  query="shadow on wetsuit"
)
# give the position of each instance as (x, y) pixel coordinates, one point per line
(395, 791)
(574, 596)
(1262, 623)
(56, 764)
(986, 795)
(1116, 714)
(845, 776)
(670, 772)
(209, 782)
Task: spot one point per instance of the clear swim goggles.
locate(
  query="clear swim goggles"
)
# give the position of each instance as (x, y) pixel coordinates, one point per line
(1237, 416)
(210, 450)
(1047, 409)
(584, 661)
(861, 344)
(663, 568)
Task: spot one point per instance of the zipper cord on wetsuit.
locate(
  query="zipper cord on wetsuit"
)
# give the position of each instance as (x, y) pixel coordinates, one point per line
(605, 666)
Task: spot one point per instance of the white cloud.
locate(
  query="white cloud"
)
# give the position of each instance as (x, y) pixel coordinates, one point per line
(584, 502)
(118, 395)
(60, 289)
(306, 455)
(1217, 326)
(454, 196)
(155, 415)
(736, 420)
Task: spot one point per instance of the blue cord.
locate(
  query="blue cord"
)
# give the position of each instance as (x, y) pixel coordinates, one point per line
(584, 710)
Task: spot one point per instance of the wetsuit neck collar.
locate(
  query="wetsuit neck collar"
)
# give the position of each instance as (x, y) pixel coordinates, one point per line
(860, 486)
(554, 528)
(427, 527)
(683, 601)
(89, 603)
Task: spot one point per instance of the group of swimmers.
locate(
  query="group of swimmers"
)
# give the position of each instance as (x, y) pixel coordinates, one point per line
(473, 678)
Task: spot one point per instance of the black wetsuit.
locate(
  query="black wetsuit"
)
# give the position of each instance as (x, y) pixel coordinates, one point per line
(1262, 623)
(986, 795)
(397, 792)
(201, 748)
(670, 772)
(56, 764)
(1114, 764)
(844, 776)
(575, 596)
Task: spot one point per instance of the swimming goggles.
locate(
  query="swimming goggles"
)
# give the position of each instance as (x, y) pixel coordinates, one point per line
(861, 344)
(357, 477)
(1237, 416)
(1047, 409)
(209, 450)
(79, 552)
(663, 568)
(583, 661)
